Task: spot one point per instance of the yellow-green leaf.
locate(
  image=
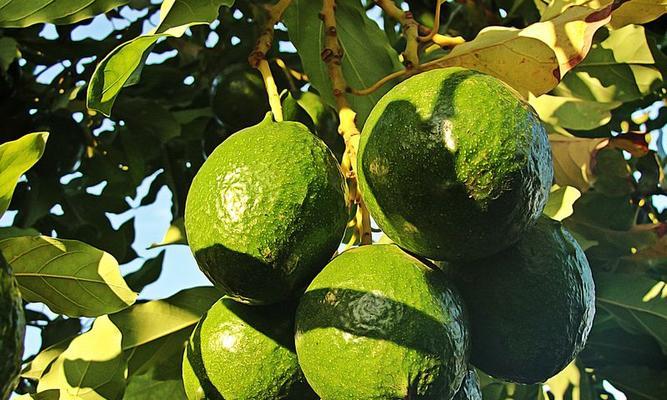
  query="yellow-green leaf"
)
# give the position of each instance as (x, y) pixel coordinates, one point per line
(69, 276)
(573, 160)
(92, 368)
(533, 59)
(561, 199)
(571, 112)
(36, 368)
(638, 12)
(16, 157)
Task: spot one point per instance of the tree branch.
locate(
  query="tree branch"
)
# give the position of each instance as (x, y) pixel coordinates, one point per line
(332, 55)
(410, 31)
(257, 58)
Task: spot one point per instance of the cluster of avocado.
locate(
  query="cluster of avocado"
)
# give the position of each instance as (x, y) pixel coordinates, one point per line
(455, 169)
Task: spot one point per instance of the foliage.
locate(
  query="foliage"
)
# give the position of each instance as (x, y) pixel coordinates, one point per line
(593, 69)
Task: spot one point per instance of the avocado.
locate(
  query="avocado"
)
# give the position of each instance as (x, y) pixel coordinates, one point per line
(238, 97)
(531, 306)
(12, 330)
(377, 323)
(470, 388)
(266, 211)
(454, 165)
(244, 352)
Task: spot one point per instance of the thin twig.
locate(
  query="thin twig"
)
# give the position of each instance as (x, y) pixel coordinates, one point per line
(332, 55)
(377, 85)
(436, 23)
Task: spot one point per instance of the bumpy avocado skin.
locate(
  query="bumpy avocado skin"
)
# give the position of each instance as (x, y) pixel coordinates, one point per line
(12, 330)
(376, 324)
(531, 306)
(470, 388)
(244, 352)
(266, 211)
(454, 165)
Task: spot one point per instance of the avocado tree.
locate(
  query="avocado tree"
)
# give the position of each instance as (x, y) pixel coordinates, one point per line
(104, 103)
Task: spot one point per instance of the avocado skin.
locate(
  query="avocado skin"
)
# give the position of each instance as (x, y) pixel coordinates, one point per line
(266, 211)
(12, 330)
(454, 165)
(531, 306)
(470, 388)
(244, 352)
(378, 324)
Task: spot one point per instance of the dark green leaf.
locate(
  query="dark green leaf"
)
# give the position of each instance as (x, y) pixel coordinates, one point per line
(148, 273)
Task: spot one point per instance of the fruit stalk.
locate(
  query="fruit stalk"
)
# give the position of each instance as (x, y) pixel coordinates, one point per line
(257, 58)
(410, 31)
(332, 54)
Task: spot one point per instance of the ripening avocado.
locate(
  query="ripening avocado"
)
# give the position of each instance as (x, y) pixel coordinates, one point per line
(244, 352)
(377, 323)
(12, 330)
(531, 306)
(454, 165)
(266, 211)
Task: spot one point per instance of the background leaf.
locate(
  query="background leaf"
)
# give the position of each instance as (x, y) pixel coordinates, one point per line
(19, 13)
(69, 276)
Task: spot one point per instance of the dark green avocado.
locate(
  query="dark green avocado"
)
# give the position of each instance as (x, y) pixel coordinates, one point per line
(531, 306)
(454, 165)
(470, 388)
(266, 211)
(12, 330)
(238, 97)
(378, 324)
(244, 352)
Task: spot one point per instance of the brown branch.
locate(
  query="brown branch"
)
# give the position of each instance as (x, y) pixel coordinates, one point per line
(410, 29)
(377, 85)
(332, 55)
(265, 40)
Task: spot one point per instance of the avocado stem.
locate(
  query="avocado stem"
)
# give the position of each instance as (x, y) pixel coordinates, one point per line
(257, 58)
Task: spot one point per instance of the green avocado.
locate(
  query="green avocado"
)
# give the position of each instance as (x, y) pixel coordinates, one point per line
(531, 306)
(266, 211)
(454, 165)
(238, 97)
(470, 388)
(379, 324)
(12, 330)
(244, 352)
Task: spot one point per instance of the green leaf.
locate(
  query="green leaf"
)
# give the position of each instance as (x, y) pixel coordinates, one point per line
(13, 231)
(561, 199)
(148, 273)
(571, 112)
(92, 367)
(40, 364)
(613, 71)
(147, 322)
(70, 277)
(8, 52)
(144, 387)
(367, 57)
(16, 157)
(122, 67)
(148, 117)
(637, 302)
(21, 13)
(637, 383)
